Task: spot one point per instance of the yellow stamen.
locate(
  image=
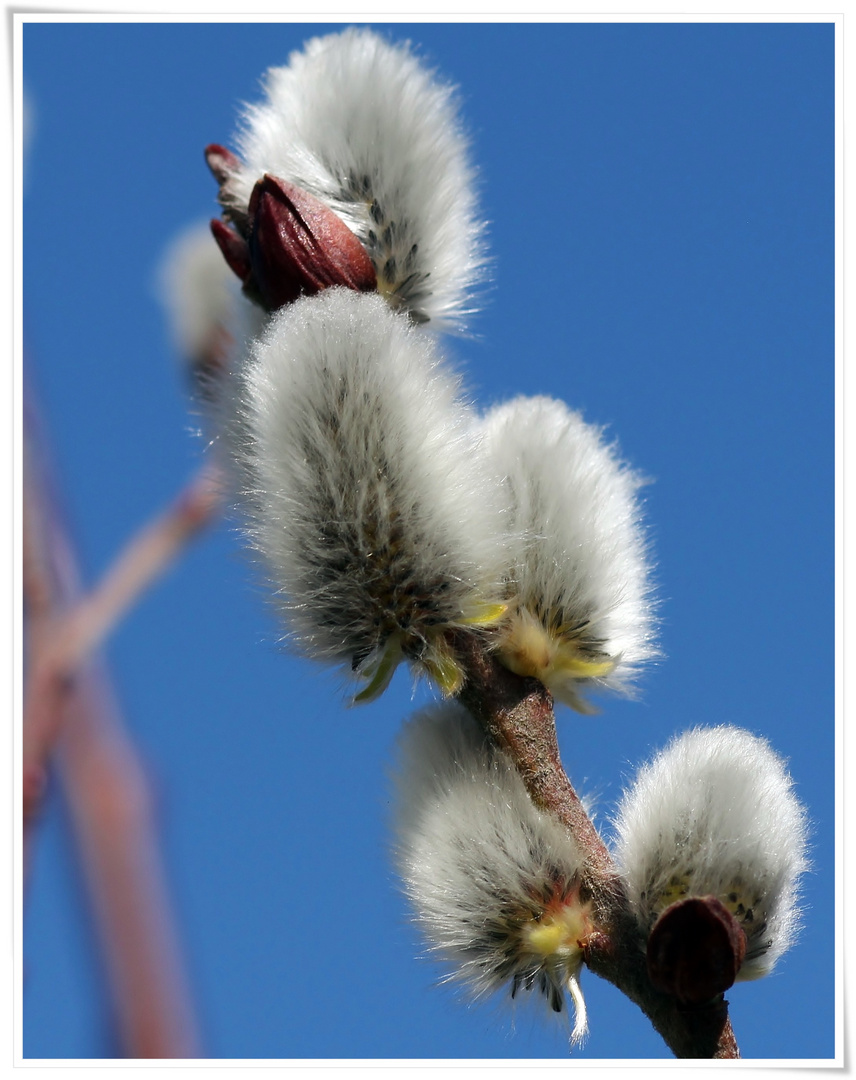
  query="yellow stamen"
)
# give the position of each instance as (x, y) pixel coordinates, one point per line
(444, 669)
(528, 647)
(558, 933)
(487, 615)
(569, 662)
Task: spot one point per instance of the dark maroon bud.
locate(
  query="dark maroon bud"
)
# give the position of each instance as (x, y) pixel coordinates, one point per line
(221, 162)
(234, 248)
(297, 245)
(695, 950)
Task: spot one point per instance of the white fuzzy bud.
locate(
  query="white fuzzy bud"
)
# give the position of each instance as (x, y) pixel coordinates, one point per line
(582, 613)
(199, 294)
(714, 814)
(493, 881)
(364, 489)
(363, 126)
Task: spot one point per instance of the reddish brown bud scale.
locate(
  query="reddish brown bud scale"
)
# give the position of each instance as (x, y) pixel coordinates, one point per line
(298, 245)
(695, 950)
(287, 243)
(221, 162)
(234, 248)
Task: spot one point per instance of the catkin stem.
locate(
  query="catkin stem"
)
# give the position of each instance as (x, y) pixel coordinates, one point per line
(517, 713)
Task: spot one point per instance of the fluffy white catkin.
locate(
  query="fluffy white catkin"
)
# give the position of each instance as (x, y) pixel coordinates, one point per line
(198, 292)
(362, 125)
(714, 814)
(582, 611)
(493, 881)
(365, 494)
(211, 323)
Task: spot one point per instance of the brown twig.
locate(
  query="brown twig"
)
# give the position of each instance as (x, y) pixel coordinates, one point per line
(517, 713)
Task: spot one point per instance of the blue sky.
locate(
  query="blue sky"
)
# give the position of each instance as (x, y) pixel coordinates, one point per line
(661, 208)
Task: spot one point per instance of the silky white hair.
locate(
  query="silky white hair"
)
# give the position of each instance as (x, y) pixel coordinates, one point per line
(362, 125)
(714, 814)
(481, 866)
(363, 485)
(580, 573)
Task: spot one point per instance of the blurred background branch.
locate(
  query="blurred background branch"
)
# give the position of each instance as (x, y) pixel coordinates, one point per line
(78, 727)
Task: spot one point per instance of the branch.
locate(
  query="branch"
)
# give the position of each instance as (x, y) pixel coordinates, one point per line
(111, 808)
(517, 713)
(144, 559)
(68, 638)
(106, 790)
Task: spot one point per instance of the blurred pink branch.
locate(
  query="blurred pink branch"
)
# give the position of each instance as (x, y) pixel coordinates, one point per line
(146, 556)
(68, 635)
(76, 715)
(111, 807)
